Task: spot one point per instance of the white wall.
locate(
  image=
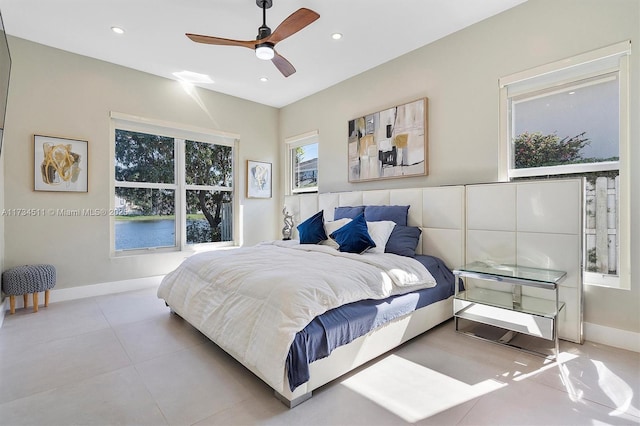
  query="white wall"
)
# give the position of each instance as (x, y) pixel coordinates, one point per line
(61, 94)
(459, 74)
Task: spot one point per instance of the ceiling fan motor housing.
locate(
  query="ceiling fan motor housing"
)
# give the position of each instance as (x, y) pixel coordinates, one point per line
(263, 32)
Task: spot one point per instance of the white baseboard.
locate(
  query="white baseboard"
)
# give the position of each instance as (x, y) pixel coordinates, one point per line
(101, 289)
(83, 291)
(623, 339)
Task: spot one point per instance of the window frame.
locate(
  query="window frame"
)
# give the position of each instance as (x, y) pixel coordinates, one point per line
(180, 133)
(548, 90)
(599, 62)
(292, 143)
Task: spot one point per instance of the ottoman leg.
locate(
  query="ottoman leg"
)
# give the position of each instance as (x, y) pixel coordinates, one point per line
(46, 298)
(12, 305)
(25, 298)
(35, 302)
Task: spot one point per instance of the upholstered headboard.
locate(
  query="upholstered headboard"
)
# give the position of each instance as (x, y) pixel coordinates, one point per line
(438, 211)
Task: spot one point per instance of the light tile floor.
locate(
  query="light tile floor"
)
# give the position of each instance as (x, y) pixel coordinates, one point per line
(125, 359)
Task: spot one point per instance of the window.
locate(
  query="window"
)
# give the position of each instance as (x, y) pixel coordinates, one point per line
(570, 118)
(567, 129)
(173, 187)
(303, 163)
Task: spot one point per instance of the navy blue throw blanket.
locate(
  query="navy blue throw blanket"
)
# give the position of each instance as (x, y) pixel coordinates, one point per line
(346, 323)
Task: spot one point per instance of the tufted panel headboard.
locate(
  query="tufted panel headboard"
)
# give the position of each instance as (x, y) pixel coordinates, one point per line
(438, 211)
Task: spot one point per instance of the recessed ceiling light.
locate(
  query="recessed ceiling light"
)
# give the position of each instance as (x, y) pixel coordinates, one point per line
(193, 77)
(117, 30)
(336, 36)
(264, 79)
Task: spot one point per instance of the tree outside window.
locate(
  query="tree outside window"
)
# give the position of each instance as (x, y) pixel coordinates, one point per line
(155, 200)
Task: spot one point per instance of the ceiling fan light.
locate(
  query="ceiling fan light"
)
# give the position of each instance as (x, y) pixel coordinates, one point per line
(265, 51)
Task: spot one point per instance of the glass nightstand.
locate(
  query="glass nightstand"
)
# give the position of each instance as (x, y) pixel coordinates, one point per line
(508, 309)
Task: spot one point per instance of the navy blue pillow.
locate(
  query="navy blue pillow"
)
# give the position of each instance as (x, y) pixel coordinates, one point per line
(403, 241)
(354, 236)
(311, 231)
(397, 214)
(347, 212)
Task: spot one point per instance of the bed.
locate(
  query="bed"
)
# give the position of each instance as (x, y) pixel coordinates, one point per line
(285, 291)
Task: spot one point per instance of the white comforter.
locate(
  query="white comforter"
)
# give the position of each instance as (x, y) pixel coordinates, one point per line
(252, 301)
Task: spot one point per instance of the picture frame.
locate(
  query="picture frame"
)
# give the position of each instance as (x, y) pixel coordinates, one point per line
(259, 179)
(391, 143)
(60, 164)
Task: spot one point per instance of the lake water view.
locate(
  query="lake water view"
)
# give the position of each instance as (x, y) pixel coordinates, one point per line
(141, 234)
(135, 234)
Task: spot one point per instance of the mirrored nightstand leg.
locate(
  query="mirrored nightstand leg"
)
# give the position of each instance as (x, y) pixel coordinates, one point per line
(516, 296)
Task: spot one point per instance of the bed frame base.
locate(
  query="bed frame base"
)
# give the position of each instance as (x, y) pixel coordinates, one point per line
(292, 403)
(365, 348)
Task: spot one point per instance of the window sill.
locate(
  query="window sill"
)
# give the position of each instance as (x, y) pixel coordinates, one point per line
(595, 279)
(188, 251)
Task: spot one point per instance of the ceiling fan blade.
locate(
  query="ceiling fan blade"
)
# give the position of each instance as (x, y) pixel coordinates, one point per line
(294, 23)
(221, 41)
(283, 65)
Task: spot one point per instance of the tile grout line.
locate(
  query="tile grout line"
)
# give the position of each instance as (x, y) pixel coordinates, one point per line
(151, 396)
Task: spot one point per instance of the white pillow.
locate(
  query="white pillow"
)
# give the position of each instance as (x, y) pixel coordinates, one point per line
(379, 232)
(329, 227)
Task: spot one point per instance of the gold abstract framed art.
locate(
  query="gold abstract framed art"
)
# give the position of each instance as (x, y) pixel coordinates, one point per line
(60, 164)
(389, 144)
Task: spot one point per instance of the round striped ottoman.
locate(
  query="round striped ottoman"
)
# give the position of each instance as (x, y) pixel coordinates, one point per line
(28, 279)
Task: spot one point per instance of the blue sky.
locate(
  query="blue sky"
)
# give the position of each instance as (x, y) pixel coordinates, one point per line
(593, 109)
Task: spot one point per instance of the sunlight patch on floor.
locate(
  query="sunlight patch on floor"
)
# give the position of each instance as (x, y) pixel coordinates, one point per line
(549, 364)
(412, 391)
(616, 389)
(565, 374)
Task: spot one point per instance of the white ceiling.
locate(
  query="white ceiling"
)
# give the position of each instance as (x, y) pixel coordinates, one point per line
(374, 32)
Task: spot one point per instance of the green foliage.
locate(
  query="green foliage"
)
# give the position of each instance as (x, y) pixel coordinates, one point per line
(207, 164)
(538, 150)
(149, 202)
(144, 158)
(299, 154)
(592, 259)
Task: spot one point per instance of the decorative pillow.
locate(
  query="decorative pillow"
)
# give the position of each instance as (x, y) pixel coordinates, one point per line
(397, 214)
(380, 232)
(311, 231)
(329, 227)
(347, 212)
(403, 241)
(354, 236)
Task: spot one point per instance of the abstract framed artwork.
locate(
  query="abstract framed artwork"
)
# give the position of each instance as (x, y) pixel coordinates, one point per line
(60, 164)
(258, 179)
(389, 144)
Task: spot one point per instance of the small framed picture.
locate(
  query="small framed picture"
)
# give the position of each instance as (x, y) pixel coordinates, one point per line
(60, 164)
(258, 179)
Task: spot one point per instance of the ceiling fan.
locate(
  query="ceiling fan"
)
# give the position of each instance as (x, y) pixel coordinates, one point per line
(265, 42)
